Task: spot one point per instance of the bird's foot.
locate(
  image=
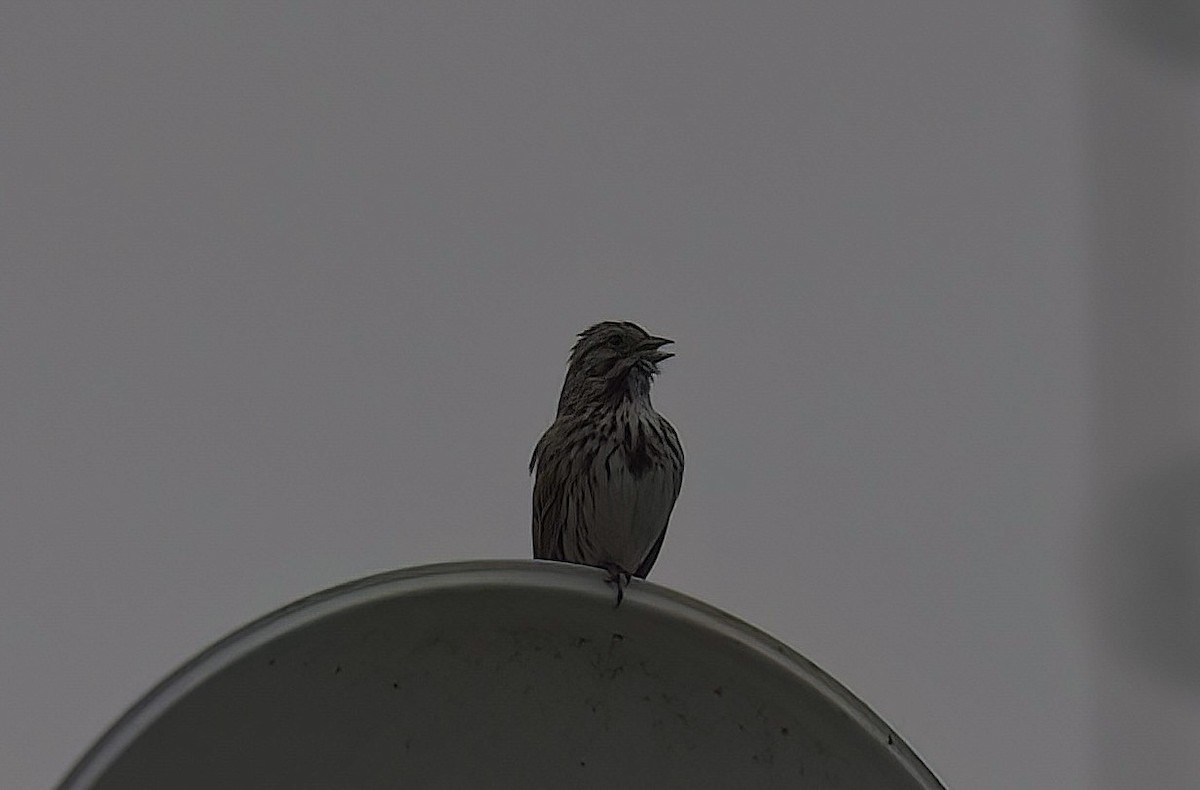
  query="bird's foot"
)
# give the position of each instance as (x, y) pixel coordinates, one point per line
(617, 575)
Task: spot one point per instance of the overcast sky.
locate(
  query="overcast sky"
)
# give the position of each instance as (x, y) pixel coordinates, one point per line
(286, 294)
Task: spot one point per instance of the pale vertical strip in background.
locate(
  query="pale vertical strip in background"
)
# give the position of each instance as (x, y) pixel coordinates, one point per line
(1143, 88)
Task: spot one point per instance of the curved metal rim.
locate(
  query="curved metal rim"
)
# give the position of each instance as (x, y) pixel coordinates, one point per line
(578, 580)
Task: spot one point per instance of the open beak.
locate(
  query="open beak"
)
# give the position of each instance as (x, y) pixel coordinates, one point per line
(649, 349)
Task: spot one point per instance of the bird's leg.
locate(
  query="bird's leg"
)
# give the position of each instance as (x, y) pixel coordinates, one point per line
(615, 572)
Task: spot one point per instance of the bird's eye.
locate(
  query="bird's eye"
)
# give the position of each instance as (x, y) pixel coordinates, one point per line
(616, 341)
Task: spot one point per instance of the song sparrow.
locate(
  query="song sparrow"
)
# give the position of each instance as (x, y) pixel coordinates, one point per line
(610, 467)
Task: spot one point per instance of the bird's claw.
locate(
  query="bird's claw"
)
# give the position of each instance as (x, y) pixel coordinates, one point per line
(615, 574)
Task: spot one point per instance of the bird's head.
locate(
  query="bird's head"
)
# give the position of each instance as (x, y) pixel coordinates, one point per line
(613, 358)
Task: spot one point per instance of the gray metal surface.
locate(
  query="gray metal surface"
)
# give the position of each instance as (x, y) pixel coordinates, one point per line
(498, 674)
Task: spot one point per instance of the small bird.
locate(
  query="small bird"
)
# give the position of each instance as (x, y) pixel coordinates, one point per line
(610, 467)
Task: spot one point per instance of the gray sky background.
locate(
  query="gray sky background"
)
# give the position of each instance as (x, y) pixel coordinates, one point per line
(287, 292)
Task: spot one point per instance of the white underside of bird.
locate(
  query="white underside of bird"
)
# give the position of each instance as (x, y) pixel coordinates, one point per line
(608, 503)
(621, 515)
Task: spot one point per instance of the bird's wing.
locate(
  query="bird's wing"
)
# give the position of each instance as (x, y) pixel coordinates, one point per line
(644, 569)
(548, 515)
(666, 480)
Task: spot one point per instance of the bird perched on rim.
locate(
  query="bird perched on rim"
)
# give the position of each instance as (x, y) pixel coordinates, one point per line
(610, 467)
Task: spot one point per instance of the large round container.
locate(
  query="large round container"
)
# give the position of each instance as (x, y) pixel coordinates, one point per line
(498, 674)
